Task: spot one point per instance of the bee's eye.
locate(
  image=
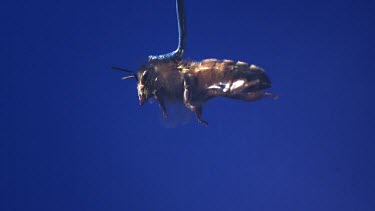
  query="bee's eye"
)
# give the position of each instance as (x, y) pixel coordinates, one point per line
(144, 76)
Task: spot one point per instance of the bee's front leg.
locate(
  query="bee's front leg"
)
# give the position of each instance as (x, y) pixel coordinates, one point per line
(160, 99)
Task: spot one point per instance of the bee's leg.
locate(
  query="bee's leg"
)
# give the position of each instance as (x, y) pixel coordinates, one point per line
(252, 96)
(274, 96)
(187, 99)
(195, 108)
(198, 114)
(238, 91)
(187, 94)
(160, 99)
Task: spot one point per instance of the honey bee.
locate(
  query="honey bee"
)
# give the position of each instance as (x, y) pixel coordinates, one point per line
(169, 78)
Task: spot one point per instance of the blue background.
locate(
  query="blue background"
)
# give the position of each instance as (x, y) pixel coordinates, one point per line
(76, 138)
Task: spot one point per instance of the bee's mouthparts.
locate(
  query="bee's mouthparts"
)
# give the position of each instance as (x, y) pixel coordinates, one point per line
(141, 101)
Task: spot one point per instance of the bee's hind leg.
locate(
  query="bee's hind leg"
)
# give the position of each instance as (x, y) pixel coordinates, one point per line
(252, 96)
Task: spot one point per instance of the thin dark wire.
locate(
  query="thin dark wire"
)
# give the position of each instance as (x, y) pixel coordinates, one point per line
(179, 52)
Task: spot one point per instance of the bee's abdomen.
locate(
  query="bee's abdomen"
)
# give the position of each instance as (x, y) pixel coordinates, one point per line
(212, 77)
(211, 71)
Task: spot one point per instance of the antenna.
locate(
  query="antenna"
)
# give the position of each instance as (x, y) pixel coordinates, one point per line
(134, 75)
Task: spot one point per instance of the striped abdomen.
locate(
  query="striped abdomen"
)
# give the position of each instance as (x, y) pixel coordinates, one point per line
(211, 77)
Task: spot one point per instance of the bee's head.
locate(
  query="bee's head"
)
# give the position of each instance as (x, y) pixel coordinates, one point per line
(145, 83)
(145, 78)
